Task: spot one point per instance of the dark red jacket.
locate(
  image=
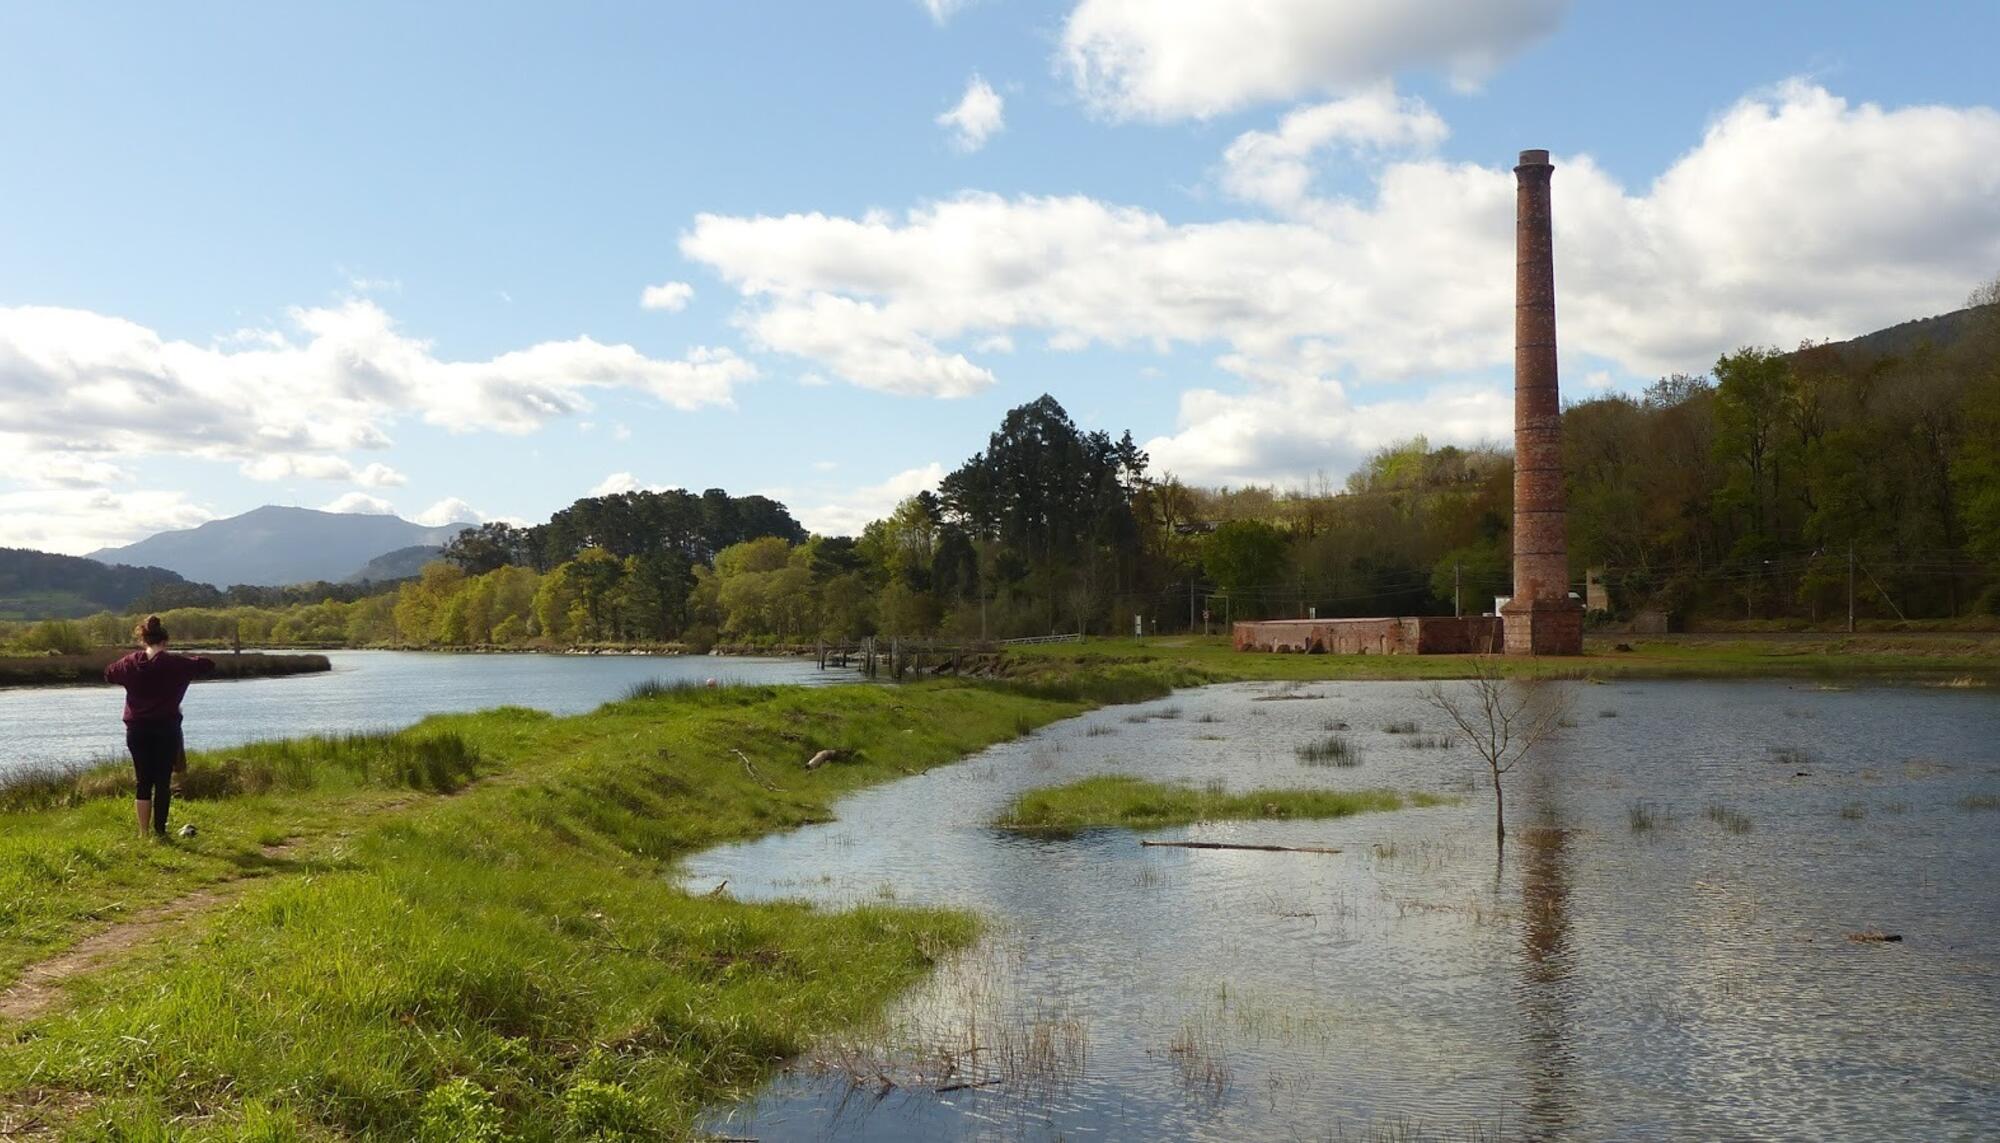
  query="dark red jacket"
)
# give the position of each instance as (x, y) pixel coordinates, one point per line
(153, 687)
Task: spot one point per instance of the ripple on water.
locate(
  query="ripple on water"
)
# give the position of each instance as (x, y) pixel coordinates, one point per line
(1692, 978)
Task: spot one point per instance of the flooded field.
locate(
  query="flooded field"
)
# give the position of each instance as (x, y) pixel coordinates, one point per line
(1725, 910)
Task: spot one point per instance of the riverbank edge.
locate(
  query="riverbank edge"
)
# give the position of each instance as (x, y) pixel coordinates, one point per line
(1927, 657)
(1930, 660)
(87, 668)
(607, 802)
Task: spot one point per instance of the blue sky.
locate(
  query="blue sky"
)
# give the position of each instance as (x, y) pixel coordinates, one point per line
(394, 255)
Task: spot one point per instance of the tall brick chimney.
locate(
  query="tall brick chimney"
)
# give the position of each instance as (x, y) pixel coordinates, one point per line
(1540, 618)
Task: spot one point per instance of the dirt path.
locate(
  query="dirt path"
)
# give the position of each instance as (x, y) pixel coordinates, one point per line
(40, 985)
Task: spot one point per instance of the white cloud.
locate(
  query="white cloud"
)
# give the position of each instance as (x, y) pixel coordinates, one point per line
(1795, 215)
(852, 511)
(378, 475)
(74, 382)
(316, 466)
(58, 469)
(79, 520)
(362, 285)
(615, 483)
(621, 432)
(450, 510)
(360, 504)
(942, 10)
(672, 297)
(1275, 167)
(1284, 427)
(978, 116)
(1176, 59)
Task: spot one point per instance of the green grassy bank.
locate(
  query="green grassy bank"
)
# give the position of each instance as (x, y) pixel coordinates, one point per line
(468, 927)
(1918, 657)
(1127, 802)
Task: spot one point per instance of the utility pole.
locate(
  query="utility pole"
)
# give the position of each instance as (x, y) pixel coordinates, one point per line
(1190, 605)
(1455, 612)
(1850, 587)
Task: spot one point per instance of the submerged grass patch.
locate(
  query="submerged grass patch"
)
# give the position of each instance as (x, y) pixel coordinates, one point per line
(1333, 750)
(425, 964)
(1134, 803)
(1643, 817)
(1729, 819)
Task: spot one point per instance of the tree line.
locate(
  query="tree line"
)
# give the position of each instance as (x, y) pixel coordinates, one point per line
(1737, 493)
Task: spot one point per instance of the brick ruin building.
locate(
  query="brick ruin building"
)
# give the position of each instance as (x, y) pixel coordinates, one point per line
(1540, 618)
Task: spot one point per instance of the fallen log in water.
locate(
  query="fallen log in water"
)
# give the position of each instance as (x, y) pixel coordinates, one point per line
(1236, 845)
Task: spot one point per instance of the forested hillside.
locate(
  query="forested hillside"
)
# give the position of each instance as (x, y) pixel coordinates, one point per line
(44, 585)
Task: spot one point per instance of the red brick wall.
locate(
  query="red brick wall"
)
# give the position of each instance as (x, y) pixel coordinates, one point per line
(1407, 635)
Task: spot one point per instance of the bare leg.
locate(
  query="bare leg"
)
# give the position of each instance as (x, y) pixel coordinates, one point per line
(145, 806)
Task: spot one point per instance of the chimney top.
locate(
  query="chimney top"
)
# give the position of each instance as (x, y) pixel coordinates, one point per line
(1534, 158)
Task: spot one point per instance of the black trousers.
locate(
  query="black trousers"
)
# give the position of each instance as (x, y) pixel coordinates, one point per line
(155, 748)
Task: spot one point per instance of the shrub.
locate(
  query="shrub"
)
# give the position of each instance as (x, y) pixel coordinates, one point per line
(459, 1111)
(602, 1113)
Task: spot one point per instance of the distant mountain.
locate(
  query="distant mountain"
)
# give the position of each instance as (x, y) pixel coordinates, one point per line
(275, 546)
(403, 563)
(43, 585)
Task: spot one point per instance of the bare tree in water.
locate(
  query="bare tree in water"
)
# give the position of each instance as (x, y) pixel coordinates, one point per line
(1503, 719)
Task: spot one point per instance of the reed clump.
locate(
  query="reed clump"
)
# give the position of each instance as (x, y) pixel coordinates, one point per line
(1729, 819)
(1332, 750)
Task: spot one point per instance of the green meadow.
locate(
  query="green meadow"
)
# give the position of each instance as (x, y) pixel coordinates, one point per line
(466, 929)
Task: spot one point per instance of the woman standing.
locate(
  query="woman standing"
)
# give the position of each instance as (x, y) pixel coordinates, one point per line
(154, 680)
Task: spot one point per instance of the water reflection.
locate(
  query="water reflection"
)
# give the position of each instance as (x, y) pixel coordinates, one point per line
(1692, 980)
(1544, 992)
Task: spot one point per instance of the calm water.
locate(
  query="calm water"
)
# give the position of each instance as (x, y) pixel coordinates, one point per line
(366, 690)
(1691, 981)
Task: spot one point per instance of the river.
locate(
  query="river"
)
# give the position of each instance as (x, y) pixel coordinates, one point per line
(47, 727)
(1665, 952)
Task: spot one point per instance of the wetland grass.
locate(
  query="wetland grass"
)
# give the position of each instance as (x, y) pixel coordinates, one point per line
(1729, 819)
(437, 761)
(1118, 800)
(1196, 1050)
(1333, 750)
(1643, 817)
(1793, 756)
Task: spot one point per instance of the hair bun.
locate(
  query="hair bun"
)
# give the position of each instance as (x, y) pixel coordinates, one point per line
(151, 631)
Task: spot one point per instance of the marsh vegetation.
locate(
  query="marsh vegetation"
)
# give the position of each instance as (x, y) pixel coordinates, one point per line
(1116, 800)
